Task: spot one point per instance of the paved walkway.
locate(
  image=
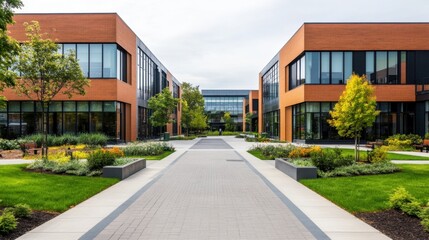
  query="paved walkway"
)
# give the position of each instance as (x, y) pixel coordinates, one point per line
(208, 189)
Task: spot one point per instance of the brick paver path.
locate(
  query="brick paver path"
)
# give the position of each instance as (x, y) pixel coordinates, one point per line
(209, 193)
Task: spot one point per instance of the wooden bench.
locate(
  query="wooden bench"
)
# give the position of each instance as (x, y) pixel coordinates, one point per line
(423, 146)
(377, 143)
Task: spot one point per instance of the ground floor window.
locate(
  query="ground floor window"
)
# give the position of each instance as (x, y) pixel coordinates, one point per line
(20, 118)
(271, 123)
(310, 121)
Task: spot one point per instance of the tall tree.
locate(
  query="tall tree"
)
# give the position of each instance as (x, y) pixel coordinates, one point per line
(162, 105)
(8, 46)
(355, 110)
(46, 73)
(192, 107)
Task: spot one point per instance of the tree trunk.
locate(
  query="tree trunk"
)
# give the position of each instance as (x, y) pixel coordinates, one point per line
(44, 132)
(356, 148)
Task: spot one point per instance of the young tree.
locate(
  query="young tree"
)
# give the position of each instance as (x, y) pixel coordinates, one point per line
(46, 73)
(229, 122)
(248, 120)
(192, 106)
(163, 105)
(8, 46)
(199, 120)
(355, 110)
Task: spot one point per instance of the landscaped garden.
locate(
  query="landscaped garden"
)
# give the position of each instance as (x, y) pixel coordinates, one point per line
(366, 187)
(66, 177)
(368, 198)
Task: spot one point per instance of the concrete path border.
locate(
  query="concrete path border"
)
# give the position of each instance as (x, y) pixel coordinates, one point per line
(94, 213)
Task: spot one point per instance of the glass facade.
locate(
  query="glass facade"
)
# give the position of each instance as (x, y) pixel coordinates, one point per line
(271, 121)
(270, 89)
(380, 67)
(106, 60)
(233, 105)
(217, 102)
(24, 117)
(309, 121)
(148, 83)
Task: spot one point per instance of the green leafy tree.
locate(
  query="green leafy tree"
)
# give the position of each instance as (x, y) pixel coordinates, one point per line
(355, 110)
(46, 73)
(8, 46)
(248, 120)
(162, 105)
(192, 108)
(229, 122)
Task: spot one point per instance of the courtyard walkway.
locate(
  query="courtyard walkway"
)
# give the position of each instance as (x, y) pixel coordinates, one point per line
(208, 189)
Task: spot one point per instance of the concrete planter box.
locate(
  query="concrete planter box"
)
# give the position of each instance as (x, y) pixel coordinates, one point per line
(124, 171)
(296, 172)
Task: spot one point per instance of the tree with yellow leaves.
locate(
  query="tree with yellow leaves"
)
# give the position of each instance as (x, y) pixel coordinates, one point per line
(355, 110)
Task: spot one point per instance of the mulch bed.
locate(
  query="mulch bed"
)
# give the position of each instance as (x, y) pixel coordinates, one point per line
(395, 224)
(27, 224)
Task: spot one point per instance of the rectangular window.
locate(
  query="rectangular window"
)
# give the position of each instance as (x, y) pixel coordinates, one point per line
(95, 61)
(96, 107)
(392, 75)
(69, 48)
(348, 65)
(82, 55)
(381, 67)
(370, 75)
(302, 71)
(325, 75)
(337, 68)
(82, 106)
(312, 66)
(109, 60)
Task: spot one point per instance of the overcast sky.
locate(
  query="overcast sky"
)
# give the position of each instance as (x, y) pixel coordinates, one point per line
(226, 43)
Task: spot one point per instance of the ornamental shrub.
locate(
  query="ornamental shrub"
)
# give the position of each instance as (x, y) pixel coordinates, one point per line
(100, 158)
(9, 144)
(399, 197)
(404, 140)
(22, 210)
(147, 149)
(412, 208)
(377, 155)
(330, 159)
(304, 152)
(8, 223)
(93, 139)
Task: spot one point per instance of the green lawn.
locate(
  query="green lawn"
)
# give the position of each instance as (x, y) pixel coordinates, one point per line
(154, 157)
(47, 191)
(371, 193)
(258, 154)
(390, 156)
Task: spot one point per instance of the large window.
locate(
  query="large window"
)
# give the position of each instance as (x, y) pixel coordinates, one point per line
(148, 82)
(270, 88)
(23, 118)
(100, 60)
(321, 68)
(232, 104)
(382, 67)
(271, 121)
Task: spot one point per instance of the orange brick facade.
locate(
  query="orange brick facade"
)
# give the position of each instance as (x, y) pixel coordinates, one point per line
(92, 28)
(314, 37)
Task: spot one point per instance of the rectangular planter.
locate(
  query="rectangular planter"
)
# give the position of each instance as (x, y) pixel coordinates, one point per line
(124, 171)
(296, 172)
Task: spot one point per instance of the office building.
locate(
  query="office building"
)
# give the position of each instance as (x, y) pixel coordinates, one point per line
(304, 80)
(124, 75)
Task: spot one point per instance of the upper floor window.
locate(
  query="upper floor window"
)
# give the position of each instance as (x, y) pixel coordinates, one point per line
(381, 67)
(270, 85)
(100, 60)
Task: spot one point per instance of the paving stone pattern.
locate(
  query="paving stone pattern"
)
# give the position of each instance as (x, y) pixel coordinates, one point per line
(204, 196)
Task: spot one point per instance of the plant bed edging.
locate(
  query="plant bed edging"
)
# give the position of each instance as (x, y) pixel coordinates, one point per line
(295, 172)
(124, 171)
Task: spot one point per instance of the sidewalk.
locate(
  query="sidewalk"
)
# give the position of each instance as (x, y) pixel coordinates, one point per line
(166, 178)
